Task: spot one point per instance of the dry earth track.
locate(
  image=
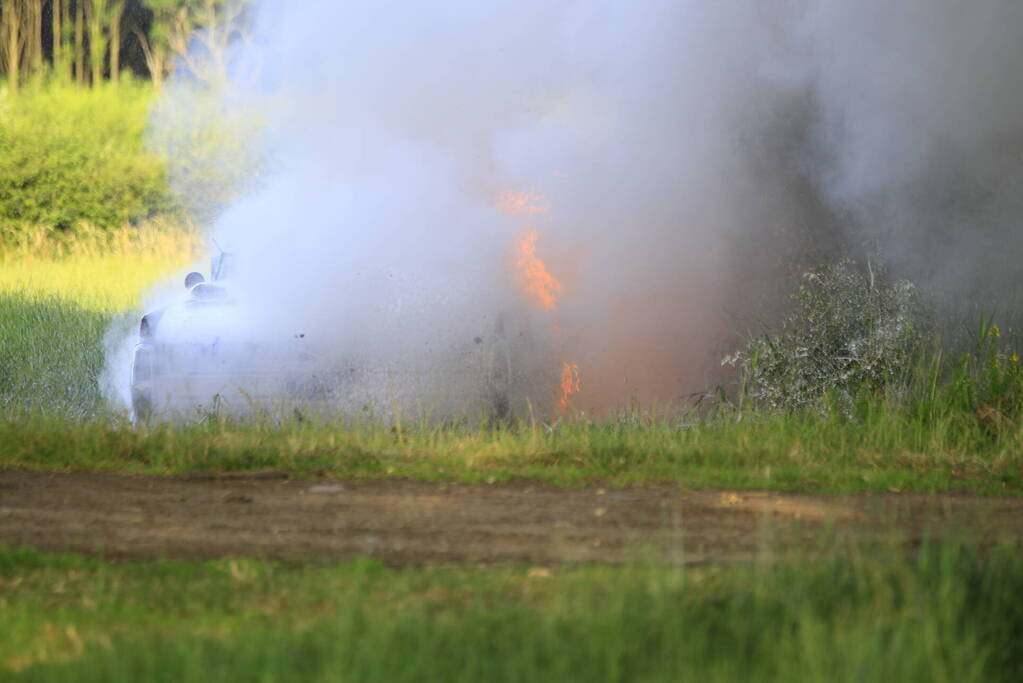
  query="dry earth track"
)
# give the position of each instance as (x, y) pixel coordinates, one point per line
(269, 515)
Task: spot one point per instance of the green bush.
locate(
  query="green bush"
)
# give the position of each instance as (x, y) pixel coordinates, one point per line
(74, 156)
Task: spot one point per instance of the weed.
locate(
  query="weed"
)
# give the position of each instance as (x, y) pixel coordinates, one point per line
(852, 331)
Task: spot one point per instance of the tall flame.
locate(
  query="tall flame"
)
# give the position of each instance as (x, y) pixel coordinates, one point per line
(542, 288)
(539, 285)
(537, 282)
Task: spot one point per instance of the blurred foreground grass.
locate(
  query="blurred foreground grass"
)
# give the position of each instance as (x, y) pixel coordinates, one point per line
(942, 613)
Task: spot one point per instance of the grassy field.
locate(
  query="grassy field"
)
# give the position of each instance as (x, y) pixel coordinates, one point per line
(58, 299)
(68, 272)
(943, 614)
(835, 611)
(776, 454)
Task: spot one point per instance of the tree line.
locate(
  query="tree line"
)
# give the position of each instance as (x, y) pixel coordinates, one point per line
(89, 42)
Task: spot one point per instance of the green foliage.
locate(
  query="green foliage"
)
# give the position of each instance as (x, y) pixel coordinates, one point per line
(942, 613)
(989, 381)
(71, 156)
(851, 331)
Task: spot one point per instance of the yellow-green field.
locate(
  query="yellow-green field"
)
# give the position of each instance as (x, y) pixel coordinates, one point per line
(95, 270)
(58, 298)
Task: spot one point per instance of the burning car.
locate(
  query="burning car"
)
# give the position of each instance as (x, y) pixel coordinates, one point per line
(196, 357)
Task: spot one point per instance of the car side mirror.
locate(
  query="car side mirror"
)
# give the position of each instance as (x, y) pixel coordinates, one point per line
(193, 279)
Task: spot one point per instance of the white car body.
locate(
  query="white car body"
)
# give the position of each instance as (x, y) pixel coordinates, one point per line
(194, 358)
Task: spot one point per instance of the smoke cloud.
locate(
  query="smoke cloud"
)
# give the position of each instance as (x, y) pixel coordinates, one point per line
(687, 155)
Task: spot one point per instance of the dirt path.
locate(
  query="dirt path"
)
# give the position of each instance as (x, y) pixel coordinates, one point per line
(401, 522)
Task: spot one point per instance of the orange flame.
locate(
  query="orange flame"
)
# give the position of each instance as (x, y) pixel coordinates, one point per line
(570, 384)
(542, 288)
(537, 282)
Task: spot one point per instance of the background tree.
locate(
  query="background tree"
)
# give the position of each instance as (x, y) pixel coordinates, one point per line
(89, 41)
(95, 16)
(204, 50)
(194, 33)
(12, 39)
(167, 16)
(57, 9)
(115, 14)
(80, 42)
(34, 40)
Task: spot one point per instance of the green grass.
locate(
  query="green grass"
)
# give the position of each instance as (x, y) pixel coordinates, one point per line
(944, 613)
(781, 453)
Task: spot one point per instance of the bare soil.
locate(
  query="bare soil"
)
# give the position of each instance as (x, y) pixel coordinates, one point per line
(269, 515)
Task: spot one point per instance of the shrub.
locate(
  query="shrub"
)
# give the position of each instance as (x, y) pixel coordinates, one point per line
(851, 330)
(988, 380)
(70, 156)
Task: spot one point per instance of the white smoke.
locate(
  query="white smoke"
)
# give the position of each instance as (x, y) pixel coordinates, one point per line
(918, 133)
(688, 152)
